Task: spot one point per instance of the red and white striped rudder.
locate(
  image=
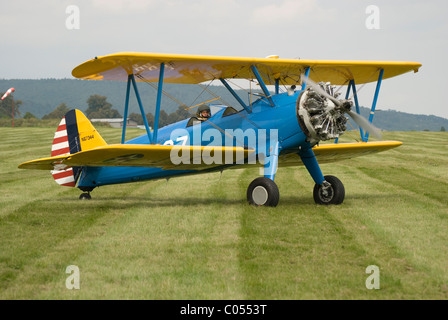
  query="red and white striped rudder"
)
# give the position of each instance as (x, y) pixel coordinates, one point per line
(61, 147)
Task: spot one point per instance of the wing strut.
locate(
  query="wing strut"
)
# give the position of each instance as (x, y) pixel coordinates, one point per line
(131, 79)
(126, 107)
(159, 100)
(262, 85)
(375, 99)
(277, 86)
(351, 85)
(307, 74)
(241, 102)
(355, 97)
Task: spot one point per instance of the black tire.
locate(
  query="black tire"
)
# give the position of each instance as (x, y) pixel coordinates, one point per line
(263, 192)
(335, 194)
(85, 196)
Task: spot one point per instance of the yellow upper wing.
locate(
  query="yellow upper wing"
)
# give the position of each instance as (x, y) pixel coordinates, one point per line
(196, 69)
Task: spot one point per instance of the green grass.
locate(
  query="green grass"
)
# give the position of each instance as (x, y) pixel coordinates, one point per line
(196, 237)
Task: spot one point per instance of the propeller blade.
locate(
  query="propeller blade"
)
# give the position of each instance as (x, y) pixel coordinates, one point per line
(365, 125)
(320, 91)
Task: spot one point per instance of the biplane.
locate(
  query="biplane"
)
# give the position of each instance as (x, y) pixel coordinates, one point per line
(278, 128)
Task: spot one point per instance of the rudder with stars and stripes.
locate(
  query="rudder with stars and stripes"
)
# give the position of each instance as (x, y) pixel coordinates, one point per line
(68, 139)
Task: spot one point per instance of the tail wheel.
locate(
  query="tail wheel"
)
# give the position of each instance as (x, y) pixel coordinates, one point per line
(263, 192)
(85, 196)
(332, 191)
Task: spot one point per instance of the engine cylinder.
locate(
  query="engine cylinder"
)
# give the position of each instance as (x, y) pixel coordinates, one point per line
(319, 117)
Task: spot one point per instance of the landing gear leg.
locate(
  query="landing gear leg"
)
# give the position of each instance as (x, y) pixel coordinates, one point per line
(328, 189)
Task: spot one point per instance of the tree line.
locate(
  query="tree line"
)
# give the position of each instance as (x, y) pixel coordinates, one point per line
(8, 106)
(98, 108)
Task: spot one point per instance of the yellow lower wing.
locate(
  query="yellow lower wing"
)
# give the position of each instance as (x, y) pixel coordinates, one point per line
(194, 157)
(342, 151)
(122, 155)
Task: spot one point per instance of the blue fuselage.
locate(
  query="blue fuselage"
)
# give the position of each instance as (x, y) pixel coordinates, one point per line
(226, 127)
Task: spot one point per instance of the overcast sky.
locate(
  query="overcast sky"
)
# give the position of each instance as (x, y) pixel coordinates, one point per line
(40, 39)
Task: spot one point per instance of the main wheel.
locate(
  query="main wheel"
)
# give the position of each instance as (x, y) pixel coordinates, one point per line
(332, 191)
(263, 192)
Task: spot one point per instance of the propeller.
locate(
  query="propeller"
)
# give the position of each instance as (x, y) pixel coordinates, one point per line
(360, 120)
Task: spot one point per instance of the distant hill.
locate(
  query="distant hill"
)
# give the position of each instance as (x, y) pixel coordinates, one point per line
(392, 120)
(41, 97)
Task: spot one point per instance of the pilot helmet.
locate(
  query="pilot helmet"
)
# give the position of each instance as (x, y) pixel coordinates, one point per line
(202, 107)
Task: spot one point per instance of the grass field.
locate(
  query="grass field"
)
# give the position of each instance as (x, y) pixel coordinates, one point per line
(197, 238)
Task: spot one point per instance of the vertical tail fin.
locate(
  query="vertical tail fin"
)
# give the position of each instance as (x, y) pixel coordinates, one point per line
(61, 147)
(75, 133)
